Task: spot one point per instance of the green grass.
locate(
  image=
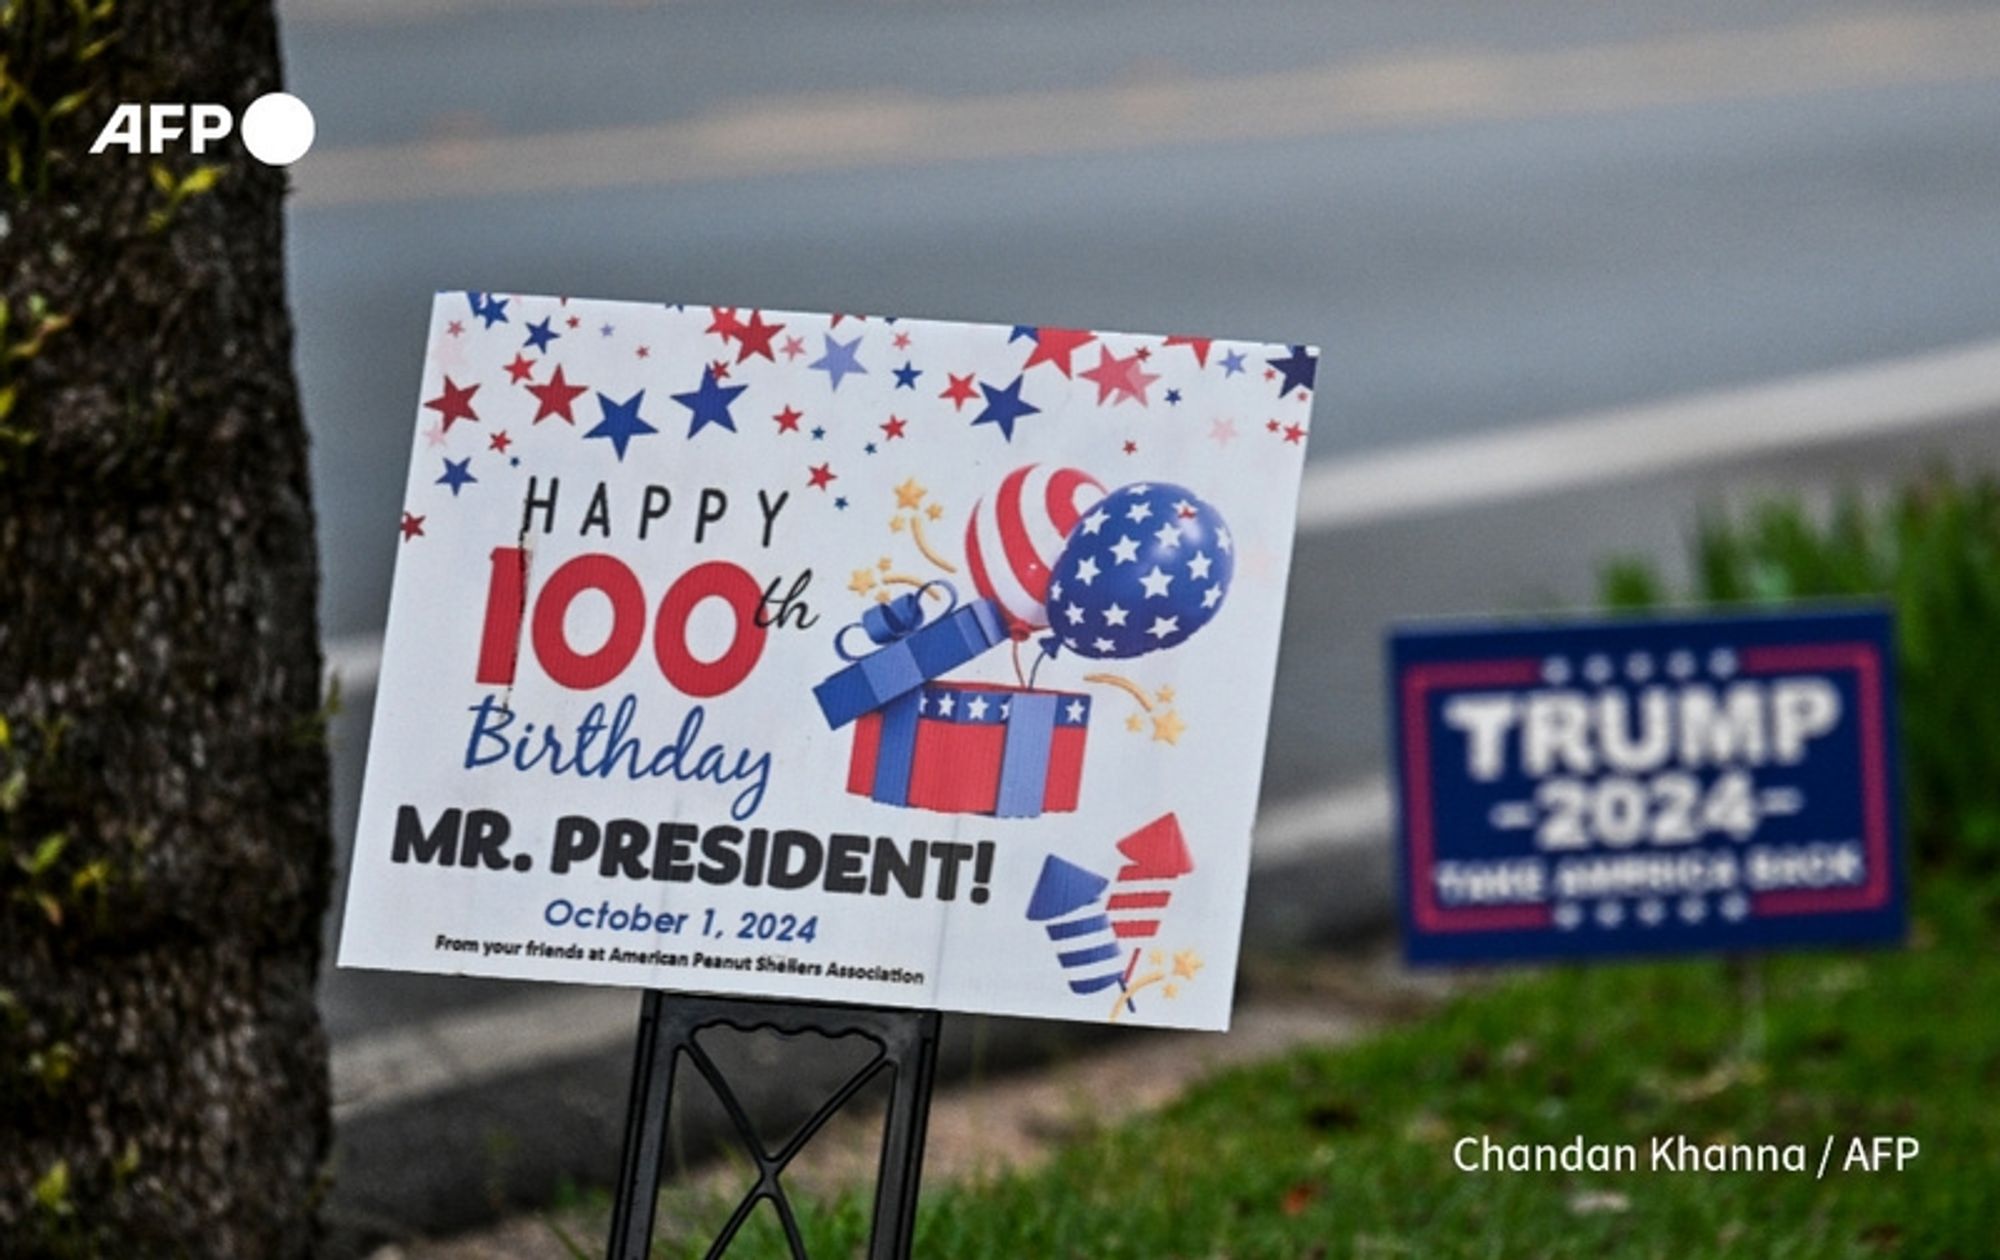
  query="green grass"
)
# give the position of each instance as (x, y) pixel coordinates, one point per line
(1347, 1152)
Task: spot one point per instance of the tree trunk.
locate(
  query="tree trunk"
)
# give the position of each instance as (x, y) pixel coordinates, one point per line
(163, 836)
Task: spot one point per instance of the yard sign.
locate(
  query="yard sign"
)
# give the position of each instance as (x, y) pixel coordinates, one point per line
(1648, 786)
(866, 660)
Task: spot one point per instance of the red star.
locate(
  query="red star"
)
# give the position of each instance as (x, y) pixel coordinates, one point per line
(455, 328)
(788, 419)
(721, 369)
(893, 426)
(574, 322)
(1270, 374)
(455, 403)
(1295, 434)
(820, 475)
(1119, 379)
(838, 316)
(902, 340)
(520, 369)
(723, 321)
(1270, 426)
(756, 337)
(1199, 345)
(1187, 512)
(555, 397)
(1055, 345)
(794, 347)
(500, 442)
(961, 391)
(644, 352)
(413, 526)
(1131, 447)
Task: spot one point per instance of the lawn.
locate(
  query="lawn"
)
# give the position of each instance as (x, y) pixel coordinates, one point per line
(1348, 1152)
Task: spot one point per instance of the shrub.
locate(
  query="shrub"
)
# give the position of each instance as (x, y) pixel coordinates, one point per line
(1933, 551)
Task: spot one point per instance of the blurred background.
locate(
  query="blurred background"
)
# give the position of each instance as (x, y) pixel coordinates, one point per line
(1579, 269)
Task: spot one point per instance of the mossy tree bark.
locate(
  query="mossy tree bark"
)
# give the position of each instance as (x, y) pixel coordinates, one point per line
(163, 784)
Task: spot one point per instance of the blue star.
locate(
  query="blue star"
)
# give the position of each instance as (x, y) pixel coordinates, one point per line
(710, 403)
(605, 331)
(1020, 331)
(839, 360)
(841, 503)
(1299, 369)
(1004, 407)
(1174, 397)
(457, 474)
(489, 308)
(906, 376)
(540, 335)
(870, 448)
(621, 422)
(1232, 363)
(818, 433)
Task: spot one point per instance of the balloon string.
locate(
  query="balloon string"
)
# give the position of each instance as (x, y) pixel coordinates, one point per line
(923, 545)
(1019, 677)
(1125, 685)
(1035, 670)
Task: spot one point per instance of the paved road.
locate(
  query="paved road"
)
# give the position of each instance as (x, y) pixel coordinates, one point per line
(1487, 215)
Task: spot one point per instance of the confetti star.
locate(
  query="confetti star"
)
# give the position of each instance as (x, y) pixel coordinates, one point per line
(574, 323)
(841, 503)
(1222, 432)
(818, 433)
(1174, 397)
(521, 369)
(897, 524)
(1232, 363)
(1004, 407)
(499, 442)
(885, 564)
(869, 449)
(1199, 345)
(901, 340)
(934, 511)
(493, 310)
(643, 352)
(1298, 368)
(435, 435)
(1295, 434)
(1117, 379)
(839, 361)
(1134, 723)
(455, 403)
(862, 581)
(909, 494)
(606, 330)
(1168, 728)
(793, 347)
(1055, 346)
(893, 428)
(710, 404)
(540, 335)
(961, 391)
(788, 419)
(456, 328)
(723, 323)
(457, 474)
(1186, 963)
(555, 397)
(1020, 331)
(621, 422)
(1164, 695)
(1131, 447)
(906, 376)
(755, 337)
(412, 526)
(819, 475)
(1270, 426)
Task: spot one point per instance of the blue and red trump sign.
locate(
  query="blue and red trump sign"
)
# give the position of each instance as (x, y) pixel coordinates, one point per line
(1633, 786)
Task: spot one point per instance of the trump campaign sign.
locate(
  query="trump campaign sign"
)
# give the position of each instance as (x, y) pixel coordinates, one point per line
(876, 661)
(1634, 786)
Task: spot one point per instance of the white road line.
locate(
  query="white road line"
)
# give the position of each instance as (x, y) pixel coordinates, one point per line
(1900, 395)
(868, 129)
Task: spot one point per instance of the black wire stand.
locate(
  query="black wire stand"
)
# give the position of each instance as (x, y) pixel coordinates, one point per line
(905, 1044)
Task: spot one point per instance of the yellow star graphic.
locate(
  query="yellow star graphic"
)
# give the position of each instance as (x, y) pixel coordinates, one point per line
(1186, 963)
(1135, 723)
(895, 524)
(884, 564)
(1156, 956)
(934, 511)
(909, 494)
(1166, 695)
(882, 597)
(1167, 728)
(1170, 990)
(862, 582)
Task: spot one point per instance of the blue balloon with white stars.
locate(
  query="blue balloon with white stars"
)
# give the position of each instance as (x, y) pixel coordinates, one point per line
(1141, 571)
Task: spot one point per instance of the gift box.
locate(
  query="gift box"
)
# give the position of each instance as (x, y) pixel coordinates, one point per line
(973, 748)
(909, 650)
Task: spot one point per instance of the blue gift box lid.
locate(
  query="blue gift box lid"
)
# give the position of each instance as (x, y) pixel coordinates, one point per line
(910, 651)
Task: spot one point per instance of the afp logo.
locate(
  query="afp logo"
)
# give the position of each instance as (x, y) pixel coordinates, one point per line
(277, 128)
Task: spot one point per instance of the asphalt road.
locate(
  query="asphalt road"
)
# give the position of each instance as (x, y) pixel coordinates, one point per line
(1485, 215)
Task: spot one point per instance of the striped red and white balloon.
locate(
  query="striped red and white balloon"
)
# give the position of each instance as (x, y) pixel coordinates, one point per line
(1016, 533)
